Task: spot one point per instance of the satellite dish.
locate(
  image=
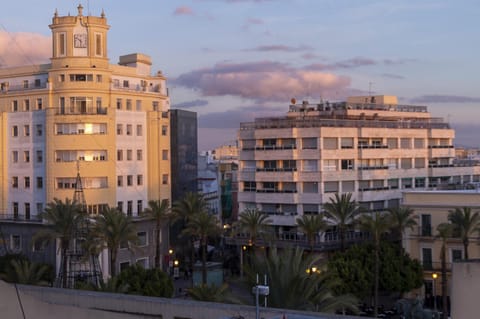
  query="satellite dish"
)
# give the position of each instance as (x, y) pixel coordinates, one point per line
(293, 101)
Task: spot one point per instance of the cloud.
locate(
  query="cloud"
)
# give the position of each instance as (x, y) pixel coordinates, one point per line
(233, 117)
(183, 10)
(393, 76)
(280, 47)
(438, 98)
(262, 81)
(397, 61)
(24, 49)
(189, 104)
(310, 56)
(344, 64)
(251, 21)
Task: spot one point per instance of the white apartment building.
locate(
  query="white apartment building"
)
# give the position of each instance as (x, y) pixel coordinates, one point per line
(369, 146)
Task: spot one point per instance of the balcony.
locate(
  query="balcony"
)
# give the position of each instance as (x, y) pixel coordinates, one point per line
(22, 87)
(435, 266)
(371, 146)
(365, 168)
(20, 218)
(275, 147)
(81, 111)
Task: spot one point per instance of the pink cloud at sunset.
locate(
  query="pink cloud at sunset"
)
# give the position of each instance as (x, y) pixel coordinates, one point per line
(183, 10)
(262, 81)
(24, 49)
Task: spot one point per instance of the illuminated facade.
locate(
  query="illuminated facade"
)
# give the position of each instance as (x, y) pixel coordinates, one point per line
(80, 113)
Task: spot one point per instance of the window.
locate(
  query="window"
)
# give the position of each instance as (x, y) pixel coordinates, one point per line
(310, 187)
(25, 84)
(347, 142)
(406, 163)
(15, 209)
(61, 78)
(419, 182)
(39, 208)
(62, 43)
(270, 166)
(330, 187)
(406, 183)
(392, 163)
(139, 206)
(138, 105)
(119, 104)
(98, 44)
(26, 130)
(348, 186)
(406, 143)
(310, 209)
(39, 156)
(129, 208)
(14, 106)
(309, 143)
(125, 264)
(419, 162)
(40, 182)
(249, 186)
(330, 143)
(99, 78)
(392, 143)
(119, 155)
(289, 165)
(14, 181)
(457, 254)
(164, 130)
(126, 84)
(14, 131)
(139, 130)
(15, 242)
(26, 182)
(155, 105)
(347, 164)
(427, 258)
(129, 180)
(119, 129)
(26, 208)
(139, 155)
(330, 165)
(139, 180)
(119, 181)
(393, 183)
(15, 156)
(39, 129)
(310, 165)
(39, 104)
(419, 143)
(129, 104)
(129, 155)
(143, 262)
(26, 156)
(26, 105)
(165, 179)
(165, 155)
(129, 129)
(120, 206)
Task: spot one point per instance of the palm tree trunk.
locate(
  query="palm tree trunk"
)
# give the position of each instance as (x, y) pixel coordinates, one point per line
(342, 239)
(64, 267)
(377, 270)
(157, 246)
(113, 261)
(192, 261)
(444, 286)
(465, 247)
(204, 261)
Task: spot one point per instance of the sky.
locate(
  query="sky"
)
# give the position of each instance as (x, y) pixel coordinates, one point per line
(233, 60)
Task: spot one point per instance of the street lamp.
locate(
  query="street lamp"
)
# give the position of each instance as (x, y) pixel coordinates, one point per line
(434, 277)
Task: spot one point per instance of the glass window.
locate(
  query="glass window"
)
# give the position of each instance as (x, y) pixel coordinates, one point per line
(139, 130)
(347, 142)
(129, 180)
(165, 155)
(309, 143)
(40, 182)
(15, 181)
(120, 181)
(139, 180)
(139, 155)
(330, 143)
(129, 155)
(310, 187)
(331, 187)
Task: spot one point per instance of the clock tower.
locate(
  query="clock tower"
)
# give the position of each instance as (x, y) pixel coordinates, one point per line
(79, 40)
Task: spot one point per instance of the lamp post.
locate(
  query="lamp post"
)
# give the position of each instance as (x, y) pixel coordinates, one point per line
(434, 277)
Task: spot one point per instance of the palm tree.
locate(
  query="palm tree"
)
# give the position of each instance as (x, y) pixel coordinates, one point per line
(114, 228)
(311, 225)
(63, 219)
(293, 284)
(341, 211)
(184, 209)
(160, 212)
(465, 223)
(376, 224)
(24, 272)
(202, 226)
(444, 231)
(254, 222)
(402, 218)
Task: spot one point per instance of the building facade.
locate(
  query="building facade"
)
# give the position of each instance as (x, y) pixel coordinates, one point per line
(370, 146)
(80, 113)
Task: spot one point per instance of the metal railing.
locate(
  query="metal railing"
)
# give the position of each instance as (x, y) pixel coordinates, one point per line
(20, 218)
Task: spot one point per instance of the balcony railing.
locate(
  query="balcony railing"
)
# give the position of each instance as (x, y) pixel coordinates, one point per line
(20, 218)
(271, 169)
(364, 168)
(22, 87)
(435, 266)
(275, 147)
(81, 111)
(361, 146)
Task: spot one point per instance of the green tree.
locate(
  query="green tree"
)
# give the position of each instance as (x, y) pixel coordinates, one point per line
(376, 224)
(184, 209)
(114, 228)
(292, 287)
(202, 226)
(465, 224)
(342, 211)
(444, 231)
(63, 220)
(354, 268)
(253, 222)
(22, 271)
(160, 212)
(311, 225)
(146, 282)
(401, 219)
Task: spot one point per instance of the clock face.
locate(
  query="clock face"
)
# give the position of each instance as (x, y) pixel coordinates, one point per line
(80, 40)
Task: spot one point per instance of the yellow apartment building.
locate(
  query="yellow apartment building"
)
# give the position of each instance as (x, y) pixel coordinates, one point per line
(81, 113)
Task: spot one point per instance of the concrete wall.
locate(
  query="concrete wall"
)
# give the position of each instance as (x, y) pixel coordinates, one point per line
(42, 302)
(465, 289)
